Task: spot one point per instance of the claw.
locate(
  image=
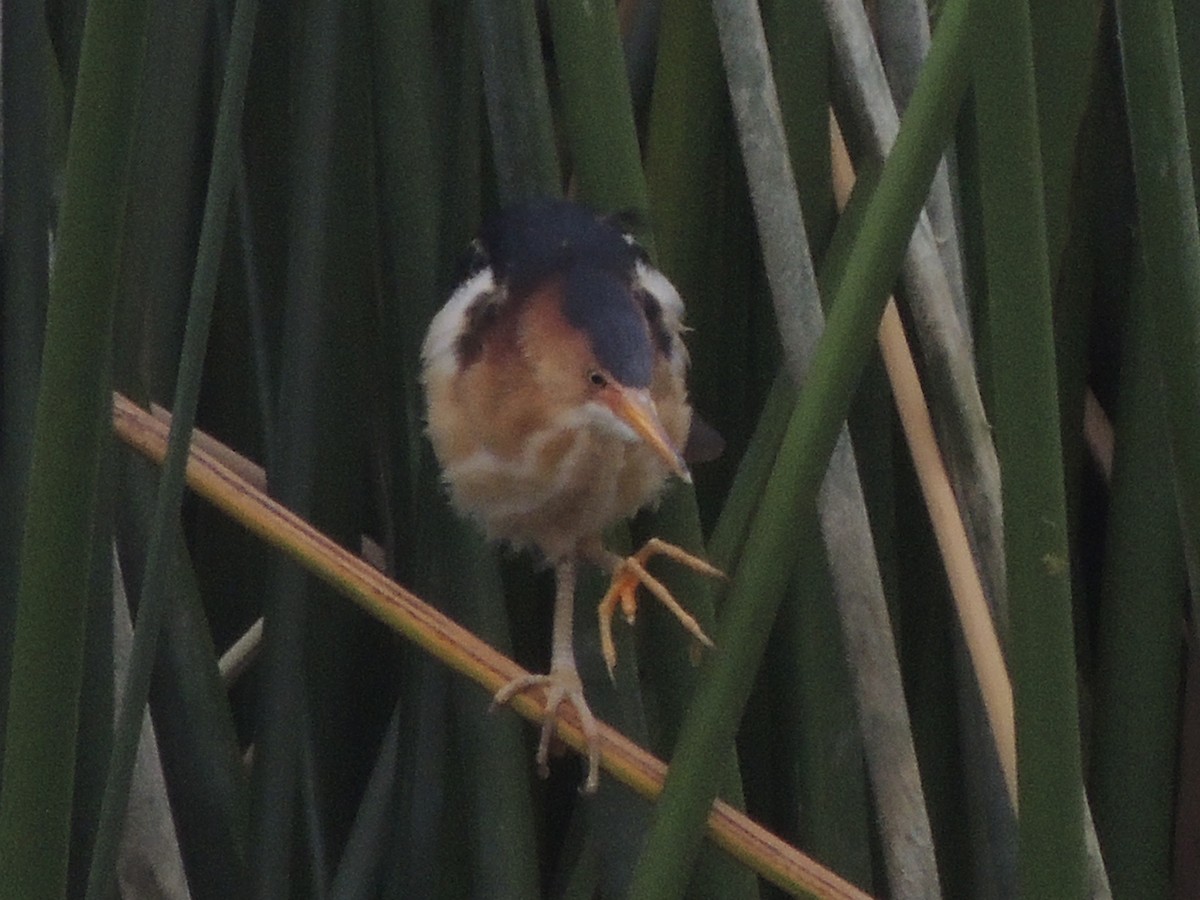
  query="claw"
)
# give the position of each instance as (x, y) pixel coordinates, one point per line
(628, 574)
(561, 685)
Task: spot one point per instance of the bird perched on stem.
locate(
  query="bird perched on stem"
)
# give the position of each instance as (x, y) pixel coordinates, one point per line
(556, 400)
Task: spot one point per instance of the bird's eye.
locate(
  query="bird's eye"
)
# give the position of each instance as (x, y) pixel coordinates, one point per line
(597, 379)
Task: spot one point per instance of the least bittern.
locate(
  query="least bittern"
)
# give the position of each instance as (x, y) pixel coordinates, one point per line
(555, 380)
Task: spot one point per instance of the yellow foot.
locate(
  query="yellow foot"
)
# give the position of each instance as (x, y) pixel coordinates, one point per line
(630, 572)
(562, 684)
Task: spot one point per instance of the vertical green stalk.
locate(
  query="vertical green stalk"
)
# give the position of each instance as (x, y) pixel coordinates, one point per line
(1025, 415)
(26, 216)
(1140, 647)
(424, 109)
(687, 100)
(597, 110)
(1170, 238)
(517, 103)
(307, 428)
(403, 94)
(154, 595)
(71, 426)
(1065, 40)
(1187, 33)
(700, 239)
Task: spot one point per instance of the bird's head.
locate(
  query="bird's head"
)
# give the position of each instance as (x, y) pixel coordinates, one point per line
(563, 315)
(589, 342)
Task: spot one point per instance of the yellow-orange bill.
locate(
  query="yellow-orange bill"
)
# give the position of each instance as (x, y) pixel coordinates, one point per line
(636, 409)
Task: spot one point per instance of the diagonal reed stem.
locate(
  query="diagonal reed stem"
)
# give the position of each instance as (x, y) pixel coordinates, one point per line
(213, 479)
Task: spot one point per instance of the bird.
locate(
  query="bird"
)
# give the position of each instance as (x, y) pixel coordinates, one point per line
(556, 402)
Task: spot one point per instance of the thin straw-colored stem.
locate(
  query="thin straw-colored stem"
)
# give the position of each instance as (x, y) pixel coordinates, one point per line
(936, 296)
(970, 603)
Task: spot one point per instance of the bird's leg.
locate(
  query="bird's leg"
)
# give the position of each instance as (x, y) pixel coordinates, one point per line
(562, 684)
(627, 574)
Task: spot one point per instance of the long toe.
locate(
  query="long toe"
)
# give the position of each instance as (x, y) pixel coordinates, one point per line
(659, 547)
(667, 599)
(628, 574)
(562, 685)
(622, 592)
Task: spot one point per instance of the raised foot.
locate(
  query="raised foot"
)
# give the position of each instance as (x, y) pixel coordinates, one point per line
(561, 685)
(628, 574)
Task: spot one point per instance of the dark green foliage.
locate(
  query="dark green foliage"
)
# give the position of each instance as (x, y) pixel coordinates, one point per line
(250, 217)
